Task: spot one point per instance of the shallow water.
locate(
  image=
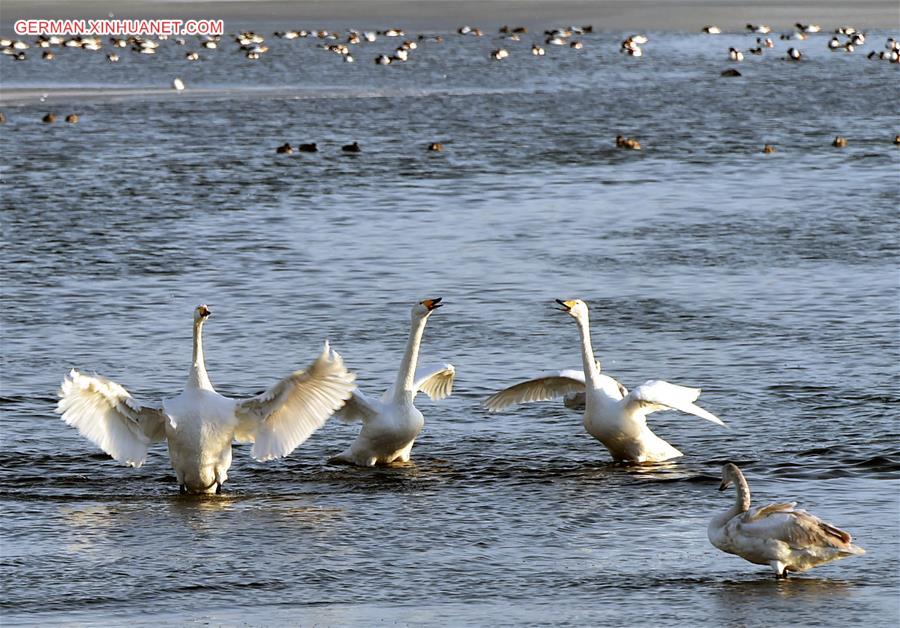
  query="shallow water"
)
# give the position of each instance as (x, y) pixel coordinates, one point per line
(768, 280)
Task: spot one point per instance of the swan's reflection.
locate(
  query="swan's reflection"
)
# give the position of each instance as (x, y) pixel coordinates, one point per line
(739, 601)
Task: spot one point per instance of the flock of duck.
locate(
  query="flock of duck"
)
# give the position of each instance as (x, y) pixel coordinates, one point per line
(199, 426)
(341, 43)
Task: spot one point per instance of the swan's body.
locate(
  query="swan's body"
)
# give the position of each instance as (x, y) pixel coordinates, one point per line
(615, 417)
(391, 424)
(200, 424)
(778, 535)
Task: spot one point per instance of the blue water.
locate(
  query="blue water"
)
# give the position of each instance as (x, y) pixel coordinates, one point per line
(768, 280)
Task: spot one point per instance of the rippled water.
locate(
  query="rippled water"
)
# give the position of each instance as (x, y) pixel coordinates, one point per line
(768, 280)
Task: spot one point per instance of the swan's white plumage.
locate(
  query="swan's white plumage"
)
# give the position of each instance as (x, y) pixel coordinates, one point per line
(778, 535)
(435, 381)
(391, 424)
(655, 395)
(107, 415)
(545, 387)
(612, 415)
(199, 424)
(283, 417)
(359, 407)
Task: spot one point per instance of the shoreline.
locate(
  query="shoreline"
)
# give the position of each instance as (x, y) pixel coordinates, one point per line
(669, 15)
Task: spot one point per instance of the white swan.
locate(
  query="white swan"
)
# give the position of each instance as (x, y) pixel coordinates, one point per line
(391, 424)
(200, 424)
(612, 415)
(777, 535)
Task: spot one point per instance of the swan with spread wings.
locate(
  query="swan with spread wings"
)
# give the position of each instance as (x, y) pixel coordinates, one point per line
(199, 424)
(391, 424)
(612, 414)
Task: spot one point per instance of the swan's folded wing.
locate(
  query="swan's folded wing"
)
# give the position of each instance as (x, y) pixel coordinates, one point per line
(797, 528)
(659, 395)
(108, 416)
(358, 408)
(764, 511)
(547, 386)
(435, 381)
(281, 418)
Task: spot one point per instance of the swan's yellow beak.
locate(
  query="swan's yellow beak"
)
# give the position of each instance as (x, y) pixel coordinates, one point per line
(431, 304)
(566, 305)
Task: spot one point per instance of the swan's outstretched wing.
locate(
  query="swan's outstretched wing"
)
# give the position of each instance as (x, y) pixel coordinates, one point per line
(659, 395)
(548, 386)
(108, 416)
(358, 408)
(285, 415)
(435, 381)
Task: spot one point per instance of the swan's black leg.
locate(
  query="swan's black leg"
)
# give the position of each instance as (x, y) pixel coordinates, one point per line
(218, 488)
(182, 489)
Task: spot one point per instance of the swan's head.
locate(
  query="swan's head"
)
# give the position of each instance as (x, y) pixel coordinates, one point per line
(426, 307)
(201, 313)
(575, 308)
(730, 474)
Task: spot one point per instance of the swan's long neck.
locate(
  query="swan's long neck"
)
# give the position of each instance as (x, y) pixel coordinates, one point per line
(742, 495)
(198, 378)
(403, 387)
(591, 372)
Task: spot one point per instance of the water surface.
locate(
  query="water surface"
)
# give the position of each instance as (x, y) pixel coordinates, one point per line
(768, 280)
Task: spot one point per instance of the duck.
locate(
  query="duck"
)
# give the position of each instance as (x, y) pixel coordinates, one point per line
(351, 148)
(50, 118)
(112, 57)
(285, 149)
(436, 147)
(777, 535)
(391, 424)
(762, 29)
(537, 51)
(308, 148)
(47, 56)
(712, 30)
(383, 60)
(613, 415)
(199, 424)
(192, 56)
(794, 54)
(839, 142)
(72, 118)
(627, 142)
(735, 55)
(808, 28)
(768, 149)
(499, 54)
(178, 84)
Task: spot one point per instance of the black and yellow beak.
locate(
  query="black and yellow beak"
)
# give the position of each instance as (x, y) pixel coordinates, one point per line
(203, 311)
(432, 304)
(566, 305)
(724, 484)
